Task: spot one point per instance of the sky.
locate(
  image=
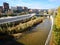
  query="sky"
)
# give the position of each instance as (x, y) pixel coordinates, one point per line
(34, 4)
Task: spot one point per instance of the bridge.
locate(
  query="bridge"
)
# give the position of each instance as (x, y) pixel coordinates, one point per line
(46, 15)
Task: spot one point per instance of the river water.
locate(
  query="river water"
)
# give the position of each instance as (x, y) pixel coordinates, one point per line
(37, 35)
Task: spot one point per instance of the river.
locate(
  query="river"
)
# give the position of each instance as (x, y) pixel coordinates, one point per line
(37, 35)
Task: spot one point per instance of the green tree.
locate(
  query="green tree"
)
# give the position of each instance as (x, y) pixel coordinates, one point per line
(56, 29)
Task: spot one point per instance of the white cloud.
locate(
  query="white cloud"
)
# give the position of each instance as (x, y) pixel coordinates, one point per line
(54, 0)
(27, 4)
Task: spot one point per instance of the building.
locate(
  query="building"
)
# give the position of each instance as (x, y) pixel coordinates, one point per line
(1, 8)
(19, 9)
(43, 11)
(30, 11)
(51, 11)
(6, 6)
(25, 9)
(10, 12)
(13, 8)
(35, 11)
(22, 9)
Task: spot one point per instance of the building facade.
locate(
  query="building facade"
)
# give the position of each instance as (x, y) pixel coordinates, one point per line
(6, 6)
(1, 8)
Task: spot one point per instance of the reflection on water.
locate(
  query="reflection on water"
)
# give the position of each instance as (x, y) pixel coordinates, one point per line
(37, 35)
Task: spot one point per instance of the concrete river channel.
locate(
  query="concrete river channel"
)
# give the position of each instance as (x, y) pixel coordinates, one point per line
(37, 35)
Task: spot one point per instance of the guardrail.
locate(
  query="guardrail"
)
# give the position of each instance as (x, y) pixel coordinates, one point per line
(15, 18)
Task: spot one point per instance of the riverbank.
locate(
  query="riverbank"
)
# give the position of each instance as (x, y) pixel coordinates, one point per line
(36, 35)
(16, 31)
(55, 38)
(23, 26)
(56, 29)
(20, 27)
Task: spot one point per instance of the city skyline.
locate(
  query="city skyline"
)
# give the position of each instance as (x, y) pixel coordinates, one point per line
(34, 4)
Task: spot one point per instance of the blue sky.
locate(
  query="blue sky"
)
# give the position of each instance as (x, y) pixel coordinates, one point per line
(38, 4)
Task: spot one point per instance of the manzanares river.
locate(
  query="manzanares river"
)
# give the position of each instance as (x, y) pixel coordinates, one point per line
(37, 35)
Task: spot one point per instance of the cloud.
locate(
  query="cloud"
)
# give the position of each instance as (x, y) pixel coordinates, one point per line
(32, 3)
(23, 3)
(54, 0)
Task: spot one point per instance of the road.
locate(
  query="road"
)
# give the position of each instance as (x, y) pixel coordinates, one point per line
(15, 18)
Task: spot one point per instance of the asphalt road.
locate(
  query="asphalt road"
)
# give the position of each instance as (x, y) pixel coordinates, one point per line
(15, 18)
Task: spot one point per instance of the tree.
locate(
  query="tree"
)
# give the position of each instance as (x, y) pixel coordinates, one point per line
(57, 20)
